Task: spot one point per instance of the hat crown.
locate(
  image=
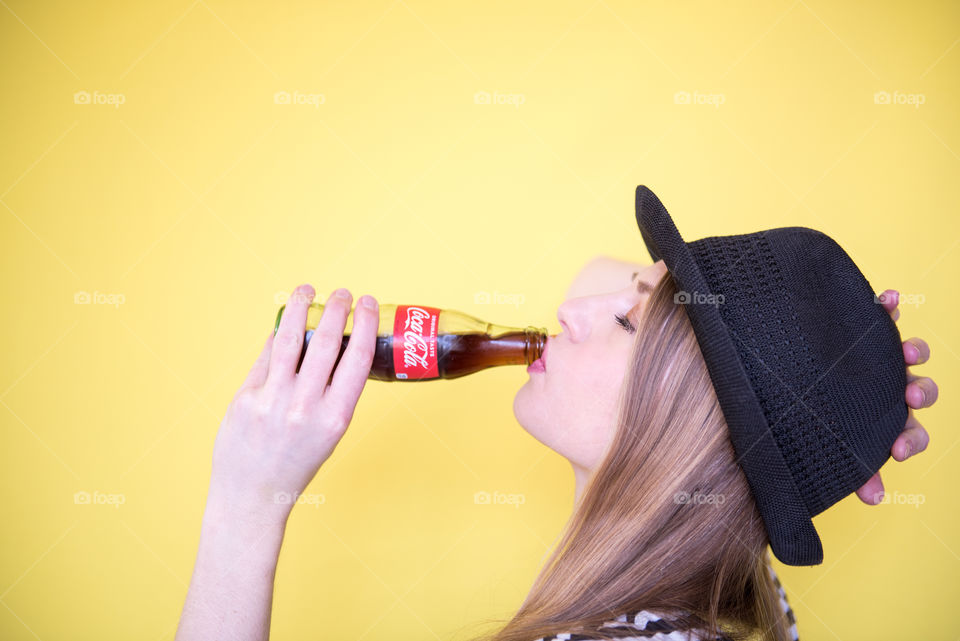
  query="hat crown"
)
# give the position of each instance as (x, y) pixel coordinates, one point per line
(817, 349)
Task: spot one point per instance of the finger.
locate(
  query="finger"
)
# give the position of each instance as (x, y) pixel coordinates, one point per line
(890, 298)
(914, 438)
(871, 492)
(288, 343)
(911, 377)
(916, 351)
(258, 373)
(354, 368)
(922, 392)
(324, 347)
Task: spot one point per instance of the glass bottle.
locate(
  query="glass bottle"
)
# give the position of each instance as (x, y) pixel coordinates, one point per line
(419, 343)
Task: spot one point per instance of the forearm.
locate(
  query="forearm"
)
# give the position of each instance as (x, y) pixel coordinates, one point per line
(280, 427)
(231, 591)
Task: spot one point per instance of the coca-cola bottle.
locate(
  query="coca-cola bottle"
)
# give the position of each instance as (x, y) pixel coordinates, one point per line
(419, 343)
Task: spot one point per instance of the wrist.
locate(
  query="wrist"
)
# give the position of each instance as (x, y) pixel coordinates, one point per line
(238, 538)
(245, 510)
(232, 584)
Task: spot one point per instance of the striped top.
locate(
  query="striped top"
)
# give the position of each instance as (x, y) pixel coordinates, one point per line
(651, 627)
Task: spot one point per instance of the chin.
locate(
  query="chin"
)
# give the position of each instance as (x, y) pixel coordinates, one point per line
(527, 406)
(528, 409)
(520, 401)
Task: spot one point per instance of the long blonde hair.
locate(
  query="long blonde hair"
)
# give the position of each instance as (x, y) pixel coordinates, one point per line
(666, 522)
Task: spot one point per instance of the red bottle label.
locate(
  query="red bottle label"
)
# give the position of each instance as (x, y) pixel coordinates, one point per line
(415, 342)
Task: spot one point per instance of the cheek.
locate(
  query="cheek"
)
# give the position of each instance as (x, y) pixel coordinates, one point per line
(574, 411)
(588, 396)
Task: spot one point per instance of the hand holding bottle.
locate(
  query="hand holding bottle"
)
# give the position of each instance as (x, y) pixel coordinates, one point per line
(417, 343)
(282, 425)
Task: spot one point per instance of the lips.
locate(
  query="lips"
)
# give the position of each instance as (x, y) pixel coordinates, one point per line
(539, 365)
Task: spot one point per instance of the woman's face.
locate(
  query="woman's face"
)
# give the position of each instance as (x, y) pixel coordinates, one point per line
(571, 407)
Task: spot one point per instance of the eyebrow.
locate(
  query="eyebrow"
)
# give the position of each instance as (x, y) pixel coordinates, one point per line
(643, 287)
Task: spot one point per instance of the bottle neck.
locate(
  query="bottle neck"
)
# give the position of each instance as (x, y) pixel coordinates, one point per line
(536, 341)
(524, 345)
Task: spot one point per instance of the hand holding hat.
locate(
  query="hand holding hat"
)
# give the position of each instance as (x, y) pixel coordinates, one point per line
(921, 392)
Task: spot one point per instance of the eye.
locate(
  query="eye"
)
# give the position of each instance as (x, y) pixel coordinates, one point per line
(625, 323)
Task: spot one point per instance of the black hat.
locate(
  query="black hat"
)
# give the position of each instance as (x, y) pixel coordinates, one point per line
(807, 366)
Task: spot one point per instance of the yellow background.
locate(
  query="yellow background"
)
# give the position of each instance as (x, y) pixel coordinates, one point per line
(201, 201)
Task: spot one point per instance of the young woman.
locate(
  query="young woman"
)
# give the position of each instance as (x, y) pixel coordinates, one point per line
(673, 511)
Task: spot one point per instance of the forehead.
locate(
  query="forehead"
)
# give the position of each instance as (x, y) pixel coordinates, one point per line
(645, 279)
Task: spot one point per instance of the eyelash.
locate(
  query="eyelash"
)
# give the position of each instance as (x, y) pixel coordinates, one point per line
(624, 322)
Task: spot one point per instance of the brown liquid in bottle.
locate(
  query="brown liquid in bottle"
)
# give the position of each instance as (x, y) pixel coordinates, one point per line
(475, 346)
(458, 354)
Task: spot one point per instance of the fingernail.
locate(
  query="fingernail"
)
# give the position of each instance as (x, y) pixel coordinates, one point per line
(304, 292)
(342, 293)
(906, 451)
(368, 301)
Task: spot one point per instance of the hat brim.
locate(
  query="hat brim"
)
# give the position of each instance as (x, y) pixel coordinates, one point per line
(793, 538)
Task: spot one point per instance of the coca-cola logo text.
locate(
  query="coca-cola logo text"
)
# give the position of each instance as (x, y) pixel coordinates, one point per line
(414, 346)
(415, 342)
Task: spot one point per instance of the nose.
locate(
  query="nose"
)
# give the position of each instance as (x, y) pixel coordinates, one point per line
(573, 315)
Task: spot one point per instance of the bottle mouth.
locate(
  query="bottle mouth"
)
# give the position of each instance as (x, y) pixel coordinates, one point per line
(536, 342)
